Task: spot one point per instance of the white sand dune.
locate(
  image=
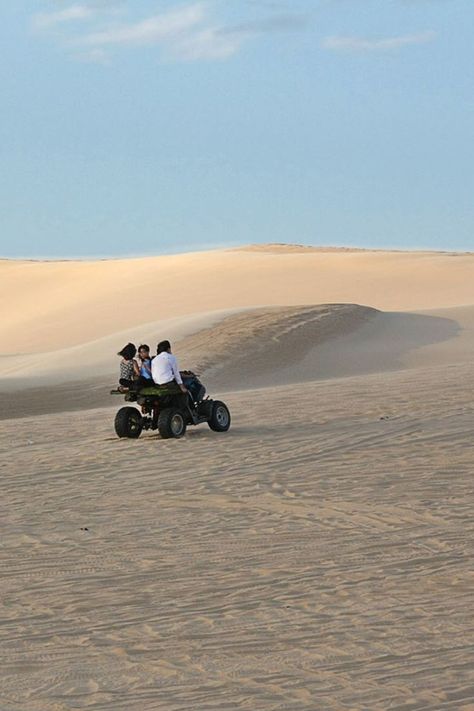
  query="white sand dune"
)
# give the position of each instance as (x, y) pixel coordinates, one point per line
(296, 344)
(317, 556)
(95, 358)
(207, 339)
(65, 320)
(47, 306)
(283, 345)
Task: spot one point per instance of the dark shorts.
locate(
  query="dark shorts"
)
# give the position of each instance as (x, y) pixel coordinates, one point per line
(137, 384)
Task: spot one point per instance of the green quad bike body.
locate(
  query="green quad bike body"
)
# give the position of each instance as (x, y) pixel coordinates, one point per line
(170, 411)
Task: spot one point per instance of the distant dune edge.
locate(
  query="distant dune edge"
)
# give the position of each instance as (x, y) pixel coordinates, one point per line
(287, 248)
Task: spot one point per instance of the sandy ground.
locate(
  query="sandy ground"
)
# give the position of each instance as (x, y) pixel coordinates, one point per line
(317, 556)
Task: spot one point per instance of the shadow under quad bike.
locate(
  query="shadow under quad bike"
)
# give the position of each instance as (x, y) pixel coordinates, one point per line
(169, 410)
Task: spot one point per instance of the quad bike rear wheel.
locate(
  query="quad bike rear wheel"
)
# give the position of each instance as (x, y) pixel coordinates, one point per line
(128, 422)
(171, 423)
(219, 419)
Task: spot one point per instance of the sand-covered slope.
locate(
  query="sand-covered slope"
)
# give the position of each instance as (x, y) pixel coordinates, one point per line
(250, 349)
(272, 337)
(263, 347)
(256, 345)
(64, 321)
(47, 306)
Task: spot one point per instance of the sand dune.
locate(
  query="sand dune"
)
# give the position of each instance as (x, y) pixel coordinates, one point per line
(220, 351)
(87, 360)
(295, 345)
(66, 320)
(250, 349)
(317, 556)
(208, 341)
(47, 306)
(264, 341)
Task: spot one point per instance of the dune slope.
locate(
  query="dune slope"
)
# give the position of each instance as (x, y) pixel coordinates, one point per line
(246, 347)
(251, 349)
(47, 306)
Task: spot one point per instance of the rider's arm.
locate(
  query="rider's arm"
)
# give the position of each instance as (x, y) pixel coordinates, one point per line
(177, 374)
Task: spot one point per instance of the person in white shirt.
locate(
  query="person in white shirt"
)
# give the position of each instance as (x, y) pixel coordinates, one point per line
(164, 367)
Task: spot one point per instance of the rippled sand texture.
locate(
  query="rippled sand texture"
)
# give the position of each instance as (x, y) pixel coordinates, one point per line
(318, 556)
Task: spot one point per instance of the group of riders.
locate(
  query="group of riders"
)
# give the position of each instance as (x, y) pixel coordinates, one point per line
(138, 369)
(170, 399)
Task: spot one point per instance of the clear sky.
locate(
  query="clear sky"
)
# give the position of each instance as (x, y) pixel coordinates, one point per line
(156, 126)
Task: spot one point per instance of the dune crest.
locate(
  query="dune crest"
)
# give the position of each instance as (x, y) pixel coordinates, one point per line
(266, 340)
(284, 248)
(288, 248)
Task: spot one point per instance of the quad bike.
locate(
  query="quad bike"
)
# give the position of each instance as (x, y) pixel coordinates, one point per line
(170, 411)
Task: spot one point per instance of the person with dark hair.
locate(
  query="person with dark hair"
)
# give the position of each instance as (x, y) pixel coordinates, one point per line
(163, 346)
(164, 367)
(127, 367)
(142, 366)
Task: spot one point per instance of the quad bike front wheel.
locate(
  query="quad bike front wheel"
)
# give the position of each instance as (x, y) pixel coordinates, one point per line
(219, 419)
(171, 423)
(128, 422)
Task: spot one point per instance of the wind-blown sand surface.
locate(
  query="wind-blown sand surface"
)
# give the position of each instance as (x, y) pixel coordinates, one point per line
(317, 556)
(47, 306)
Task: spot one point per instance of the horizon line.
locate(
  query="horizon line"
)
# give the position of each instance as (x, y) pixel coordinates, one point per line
(238, 247)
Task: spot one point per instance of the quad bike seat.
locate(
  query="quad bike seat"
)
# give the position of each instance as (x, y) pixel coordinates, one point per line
(158, 390)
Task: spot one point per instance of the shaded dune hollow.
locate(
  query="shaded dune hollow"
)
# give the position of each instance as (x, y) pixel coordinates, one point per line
(247, 349)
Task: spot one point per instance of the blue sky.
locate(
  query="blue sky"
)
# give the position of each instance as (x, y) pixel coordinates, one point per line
(148, 127)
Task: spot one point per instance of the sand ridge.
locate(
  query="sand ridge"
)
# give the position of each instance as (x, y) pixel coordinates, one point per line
(288, 248)
(260, 341)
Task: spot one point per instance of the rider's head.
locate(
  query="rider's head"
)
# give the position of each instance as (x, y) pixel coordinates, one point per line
(144, 351)
(163, 347)
(128, 352)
